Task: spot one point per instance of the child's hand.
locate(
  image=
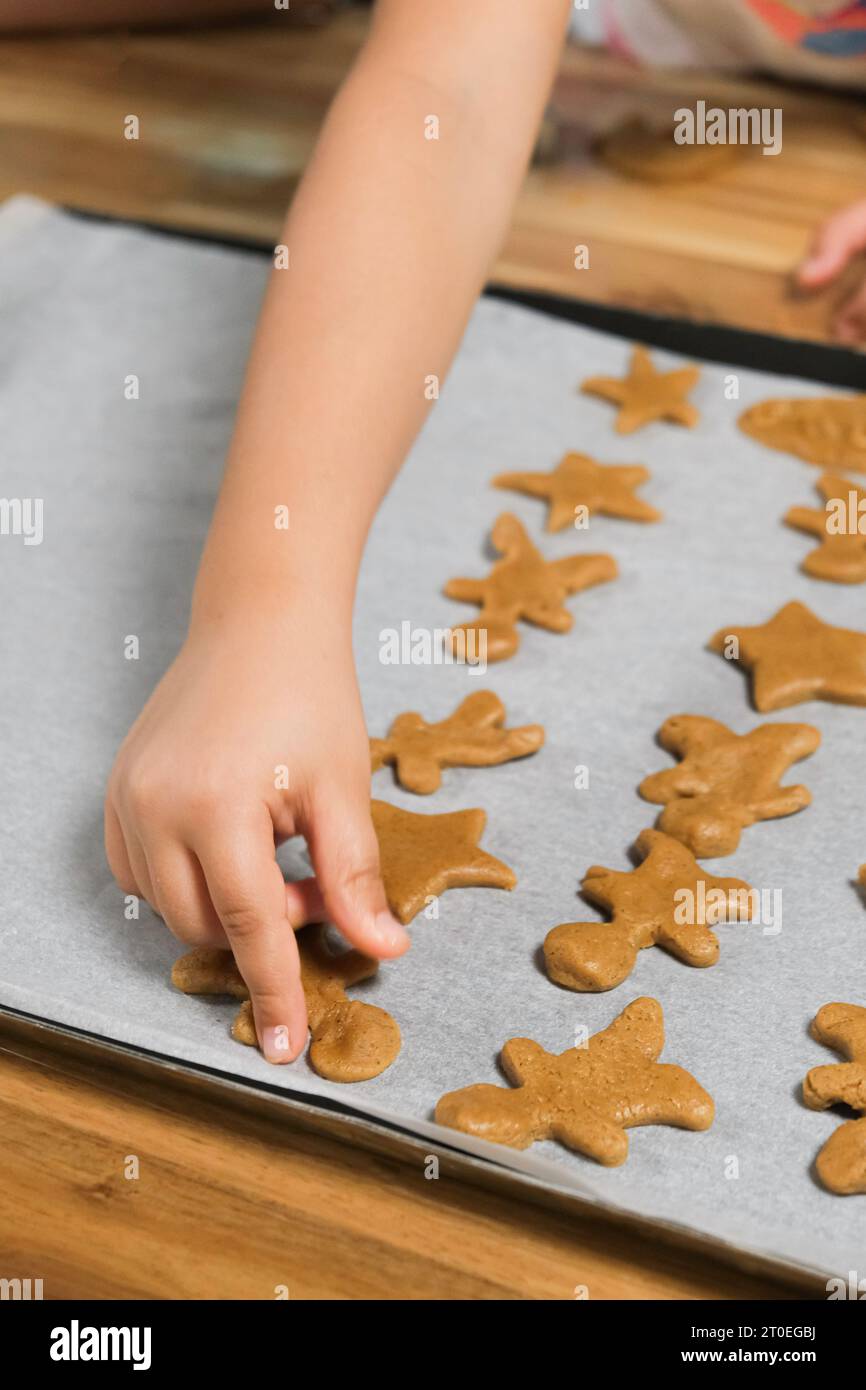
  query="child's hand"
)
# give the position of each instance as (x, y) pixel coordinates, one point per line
(197, 800)
(388, 252)
(839, 240)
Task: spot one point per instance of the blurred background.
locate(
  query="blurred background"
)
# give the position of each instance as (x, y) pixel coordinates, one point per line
(228, 114)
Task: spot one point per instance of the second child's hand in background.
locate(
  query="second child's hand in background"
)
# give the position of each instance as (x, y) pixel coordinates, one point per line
(837, 243)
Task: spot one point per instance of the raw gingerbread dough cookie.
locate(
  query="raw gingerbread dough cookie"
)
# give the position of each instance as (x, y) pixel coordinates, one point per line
(829, 432)
(646, 394)
(725, 781)
(351, 1041)
(523, 585)
(841, 1164)
(586, 1097)
(578, 481)
(422, 856)
(644, 152)
(473, 736)
(796, 657)
(666, 901)
(841, 556)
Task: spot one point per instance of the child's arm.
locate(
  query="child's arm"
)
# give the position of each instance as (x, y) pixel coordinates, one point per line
(839, 240)
(390, 237)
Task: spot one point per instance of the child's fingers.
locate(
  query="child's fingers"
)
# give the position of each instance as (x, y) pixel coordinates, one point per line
(849, 326)
(345, 855)
(842, 236)
(116, 852)
(138, 864)
(183, 900)
(248, 892)
(304, 902)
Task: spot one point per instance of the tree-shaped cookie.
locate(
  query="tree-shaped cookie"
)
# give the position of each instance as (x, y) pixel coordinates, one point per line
(841, 1164)
(578, 481)
(587, 1097)
(725, 781)
(645, 394)
(421, 856)
(841, 556)
(473, 736)
(795, 657)
(351, 1041)
(667, 901)
(829, 431)
(522, 585)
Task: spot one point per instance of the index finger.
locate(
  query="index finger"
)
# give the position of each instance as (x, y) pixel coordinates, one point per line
(248, 892)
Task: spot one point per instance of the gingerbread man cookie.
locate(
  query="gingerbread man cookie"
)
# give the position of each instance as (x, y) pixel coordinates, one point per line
(586, 1097)
(841, 556)
(829, 432)
(646, 394)
(422, 856)
(667, 901)
(725, 781)
(578, 481)
(796, 657)
(841, 1164)
(522, 585)
(351, 1041)
(473, 736)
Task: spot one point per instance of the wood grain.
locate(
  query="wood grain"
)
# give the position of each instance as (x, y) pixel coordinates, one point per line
(231, 1203)
(228, 117)
(721, 249)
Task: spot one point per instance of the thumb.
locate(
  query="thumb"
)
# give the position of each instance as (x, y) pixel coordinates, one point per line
(345, 855)
(840, 238)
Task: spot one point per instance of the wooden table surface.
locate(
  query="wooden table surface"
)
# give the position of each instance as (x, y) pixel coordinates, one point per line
(230, 1204)
(228, 1201)
(228, 118)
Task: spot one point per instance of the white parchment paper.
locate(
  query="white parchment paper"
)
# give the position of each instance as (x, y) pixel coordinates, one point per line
(128, 488)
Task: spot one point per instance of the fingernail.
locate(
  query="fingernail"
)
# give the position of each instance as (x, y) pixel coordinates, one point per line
(389, 931)
(276, 1044)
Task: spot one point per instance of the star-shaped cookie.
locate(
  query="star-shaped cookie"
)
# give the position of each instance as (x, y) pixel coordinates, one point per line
(522, 585)
(646, 394)
(586, 1097)
(422, 856)
(795, 657)
(841, 1164)
(841, 556)
(473, 736)
(667, 901)
(578, 481)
